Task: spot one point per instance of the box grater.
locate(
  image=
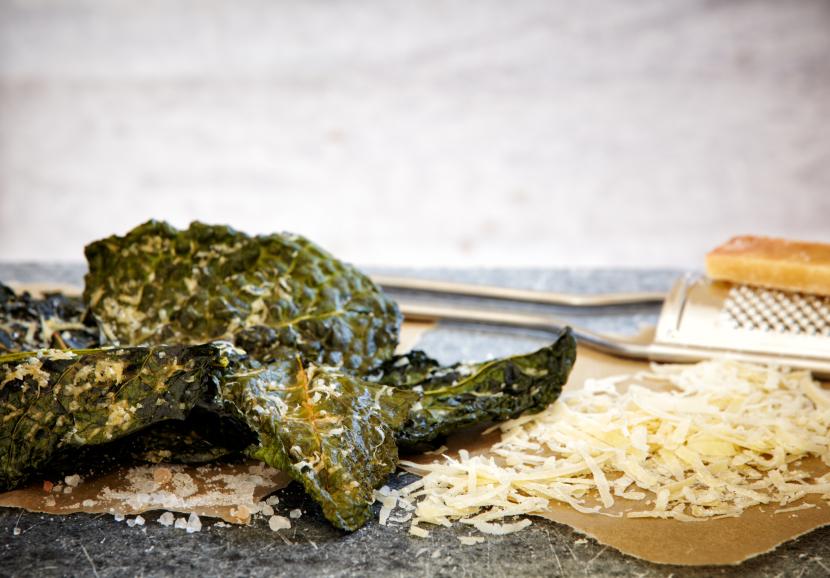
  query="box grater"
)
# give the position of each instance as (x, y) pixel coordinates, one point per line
(700, 319)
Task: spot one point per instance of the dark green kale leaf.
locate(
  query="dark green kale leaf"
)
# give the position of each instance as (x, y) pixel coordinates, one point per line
(57, 401)
(202, 437)
(461, 395)
(55, 321)
(332, 432)
(269, 294)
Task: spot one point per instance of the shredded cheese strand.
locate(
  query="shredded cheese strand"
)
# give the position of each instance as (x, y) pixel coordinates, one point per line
(684, 442)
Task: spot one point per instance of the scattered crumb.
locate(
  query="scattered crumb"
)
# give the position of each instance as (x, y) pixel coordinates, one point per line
(470, 540)
(272, 500)
(118, 517)
(194, 524)
(72, 480)
(241, 513)
(167, 519)
(88, 503)
(137, 521)
(418, 531)
(183, 485)
(277, 523)
(295, 513)
(67, 490)
(50, 501)
(57, 488)
(47, 486)
(437, 451)
(222, 525)
(581, 541)
(162, 475)
(436, 553)
(267, 510)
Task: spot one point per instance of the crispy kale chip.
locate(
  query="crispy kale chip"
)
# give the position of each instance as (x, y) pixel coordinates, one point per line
(332, 432)
(62, 400)
(461, 395)
(56, 320)
(269, 294)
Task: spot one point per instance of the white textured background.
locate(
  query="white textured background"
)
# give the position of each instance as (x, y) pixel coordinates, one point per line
(421, 133)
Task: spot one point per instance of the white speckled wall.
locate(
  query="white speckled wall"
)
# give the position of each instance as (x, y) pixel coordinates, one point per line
(437, 133)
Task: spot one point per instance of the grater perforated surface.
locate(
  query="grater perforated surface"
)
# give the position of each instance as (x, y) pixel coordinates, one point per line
(770, 310)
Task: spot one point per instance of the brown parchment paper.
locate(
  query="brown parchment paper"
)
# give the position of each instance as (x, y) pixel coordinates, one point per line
(229, 491)
(711, 542)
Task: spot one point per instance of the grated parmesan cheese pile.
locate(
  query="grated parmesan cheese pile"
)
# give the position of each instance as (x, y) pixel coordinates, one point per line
(684, 442)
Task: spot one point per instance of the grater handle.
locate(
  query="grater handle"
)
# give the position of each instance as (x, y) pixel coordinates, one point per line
(546, 323)
(616, 346)
(389, 282)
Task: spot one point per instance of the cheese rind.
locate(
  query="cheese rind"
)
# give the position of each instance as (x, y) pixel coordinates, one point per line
(775, 263)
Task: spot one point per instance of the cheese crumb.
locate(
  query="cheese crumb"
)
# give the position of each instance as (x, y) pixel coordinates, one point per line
(470, 540)
(295, 513)
(267, 510)
(180, 523)
(162, 475)
(277, 523)
(72, 480)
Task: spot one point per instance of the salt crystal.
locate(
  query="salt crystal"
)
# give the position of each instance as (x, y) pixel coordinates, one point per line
(194, 524)
(277, 523)
(16, 531)
(72, 480)
(139, 521)
(267, 510)
(131, 522)
(118, 517)
(181, 523)
(295, 513)
(167, 519)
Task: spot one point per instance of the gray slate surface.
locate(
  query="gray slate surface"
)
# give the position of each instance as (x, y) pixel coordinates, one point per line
(99, 546)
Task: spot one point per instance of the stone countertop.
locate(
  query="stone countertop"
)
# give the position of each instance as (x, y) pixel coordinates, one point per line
(96, 545)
